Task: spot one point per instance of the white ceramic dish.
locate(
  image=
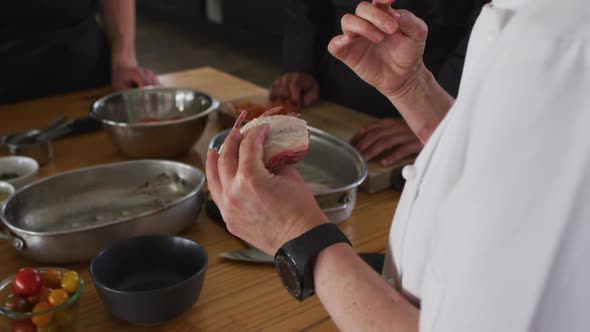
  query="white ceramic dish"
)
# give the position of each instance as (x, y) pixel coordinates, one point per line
(26, 168)
(6, 189)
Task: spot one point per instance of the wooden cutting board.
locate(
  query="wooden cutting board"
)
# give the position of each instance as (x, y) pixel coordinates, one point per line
(341, 122)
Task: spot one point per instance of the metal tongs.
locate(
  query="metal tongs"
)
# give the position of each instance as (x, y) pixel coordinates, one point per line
(57, 128)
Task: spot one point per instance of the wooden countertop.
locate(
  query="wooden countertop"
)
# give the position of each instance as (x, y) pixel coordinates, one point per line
(235, 296)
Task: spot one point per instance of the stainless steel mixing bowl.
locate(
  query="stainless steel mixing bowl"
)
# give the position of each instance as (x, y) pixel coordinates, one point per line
(181, 118)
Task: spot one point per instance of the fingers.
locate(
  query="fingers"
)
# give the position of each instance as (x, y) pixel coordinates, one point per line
(252, 151)
(402, 152)
(300, 89)
(149, 77)
(276, 89)
(135, 79)
(228, 158)
(354, 25)
(295, 90)
(240, 119)
(383, 4)
(361, 132)
(410, 25)
(212, 172)
(311, 95)
(280, 87)
(377, 16)
(384, 144)
(343, 48)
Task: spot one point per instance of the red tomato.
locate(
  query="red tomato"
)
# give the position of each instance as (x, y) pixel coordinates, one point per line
(27, 282)
(177, 117)
(150, 119)
(23, 326)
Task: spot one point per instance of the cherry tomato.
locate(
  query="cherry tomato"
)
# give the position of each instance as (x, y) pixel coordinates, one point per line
(42, 320)
(52, 278)
(150, 119)
(27, 282)
(70, 281)
(17, 303)
(58, 296)
(64, 317)
(24, 325)
(43, 295)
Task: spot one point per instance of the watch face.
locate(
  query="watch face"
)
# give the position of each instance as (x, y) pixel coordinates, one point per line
(288, 276)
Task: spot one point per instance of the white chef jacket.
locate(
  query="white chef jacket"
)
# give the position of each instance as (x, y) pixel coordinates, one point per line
(492, 232)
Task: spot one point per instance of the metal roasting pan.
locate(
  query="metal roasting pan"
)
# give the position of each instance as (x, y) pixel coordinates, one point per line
(70, 217)
(334, 167)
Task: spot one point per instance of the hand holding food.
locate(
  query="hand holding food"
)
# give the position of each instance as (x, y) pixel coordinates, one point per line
(287, 140)
(238, 171)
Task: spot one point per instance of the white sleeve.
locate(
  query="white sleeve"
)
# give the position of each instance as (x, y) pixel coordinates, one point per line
(522, 203)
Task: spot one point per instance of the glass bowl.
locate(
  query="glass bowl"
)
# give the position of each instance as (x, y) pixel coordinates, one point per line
(60, 318)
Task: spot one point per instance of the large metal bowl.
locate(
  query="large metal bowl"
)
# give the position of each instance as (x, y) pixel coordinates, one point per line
(123, 115)
(72, 216)
(333, 169)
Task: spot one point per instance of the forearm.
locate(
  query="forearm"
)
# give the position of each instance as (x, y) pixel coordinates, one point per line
(118, 17)
(423, 103)
(357, 298)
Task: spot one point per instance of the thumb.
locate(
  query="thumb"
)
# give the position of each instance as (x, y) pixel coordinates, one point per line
(410, 25)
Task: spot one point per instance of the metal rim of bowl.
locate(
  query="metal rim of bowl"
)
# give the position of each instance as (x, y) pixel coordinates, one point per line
(198, 188)
(213, 107)
(349, 148)
(143, 292)
(24, 315)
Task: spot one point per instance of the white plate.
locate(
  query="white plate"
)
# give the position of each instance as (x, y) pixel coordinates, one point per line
(26, 168)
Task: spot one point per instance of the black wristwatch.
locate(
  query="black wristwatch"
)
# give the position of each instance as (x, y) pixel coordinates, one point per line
(295, 260)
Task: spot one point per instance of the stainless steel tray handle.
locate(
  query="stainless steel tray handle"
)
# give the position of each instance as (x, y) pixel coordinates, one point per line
(344, 202)
(16, 242)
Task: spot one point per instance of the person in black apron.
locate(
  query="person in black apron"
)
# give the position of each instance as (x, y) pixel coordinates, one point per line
(311, 72)
(50, 47)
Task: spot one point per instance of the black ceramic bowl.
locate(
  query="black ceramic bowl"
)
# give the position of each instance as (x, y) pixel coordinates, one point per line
(149, 279)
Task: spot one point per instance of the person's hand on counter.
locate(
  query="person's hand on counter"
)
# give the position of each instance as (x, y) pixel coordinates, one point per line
(127, 77)
(118, 17)
(386, 141)
(262, 208)
(301, 89)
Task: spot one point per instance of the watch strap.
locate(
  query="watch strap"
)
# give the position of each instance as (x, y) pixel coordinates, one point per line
(302, 251)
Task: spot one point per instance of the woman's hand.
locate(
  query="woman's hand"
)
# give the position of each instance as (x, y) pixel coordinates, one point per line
(301, 89)
(260, 207)
(387, 140)
(381, 45)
